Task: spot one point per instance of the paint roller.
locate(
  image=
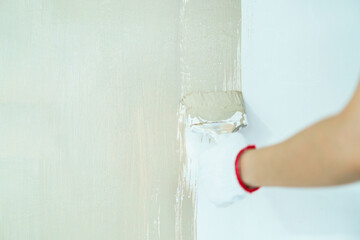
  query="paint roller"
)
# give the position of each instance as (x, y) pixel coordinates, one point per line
(215, 113)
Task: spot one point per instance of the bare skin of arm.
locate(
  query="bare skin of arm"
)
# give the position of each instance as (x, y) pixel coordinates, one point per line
(326, 153)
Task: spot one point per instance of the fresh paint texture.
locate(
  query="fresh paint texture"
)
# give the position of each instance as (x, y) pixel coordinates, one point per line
(209, 47)
(89, 93)
(210, 33)
(214, 106)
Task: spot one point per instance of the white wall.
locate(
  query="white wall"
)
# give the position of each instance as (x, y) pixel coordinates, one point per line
(300, 63)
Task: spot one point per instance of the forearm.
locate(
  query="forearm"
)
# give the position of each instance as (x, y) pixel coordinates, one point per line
(323, 154)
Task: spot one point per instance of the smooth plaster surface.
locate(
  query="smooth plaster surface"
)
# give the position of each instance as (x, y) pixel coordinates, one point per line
(89, 93)
(300, 63)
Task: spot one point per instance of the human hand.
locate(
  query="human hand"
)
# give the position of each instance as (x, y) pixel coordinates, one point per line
(219, 171)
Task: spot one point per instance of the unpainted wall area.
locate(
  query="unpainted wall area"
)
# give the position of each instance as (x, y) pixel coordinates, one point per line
(300, 63)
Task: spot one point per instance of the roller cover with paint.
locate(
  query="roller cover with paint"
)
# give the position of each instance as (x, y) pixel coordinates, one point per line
(215, 113)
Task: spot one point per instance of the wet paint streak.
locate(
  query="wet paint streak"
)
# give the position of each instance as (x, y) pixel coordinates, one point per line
(210, 49)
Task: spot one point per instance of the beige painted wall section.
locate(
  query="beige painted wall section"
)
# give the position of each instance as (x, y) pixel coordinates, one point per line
(88, 97)
(210, 37)
(210, 50)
